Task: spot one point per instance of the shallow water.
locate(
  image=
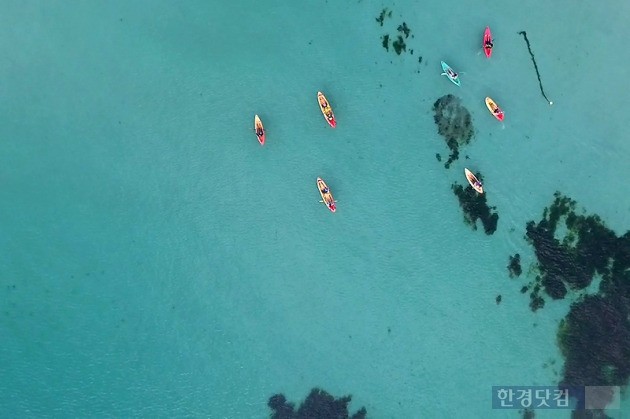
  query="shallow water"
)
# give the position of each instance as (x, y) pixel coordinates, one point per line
(156, 261)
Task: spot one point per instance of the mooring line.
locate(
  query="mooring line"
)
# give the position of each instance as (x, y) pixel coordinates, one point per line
(529, 47)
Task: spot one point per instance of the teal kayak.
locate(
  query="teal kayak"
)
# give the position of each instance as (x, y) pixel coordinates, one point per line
(450, 73)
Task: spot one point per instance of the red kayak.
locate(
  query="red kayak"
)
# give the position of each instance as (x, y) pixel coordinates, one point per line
(487, 42)
(259, 130)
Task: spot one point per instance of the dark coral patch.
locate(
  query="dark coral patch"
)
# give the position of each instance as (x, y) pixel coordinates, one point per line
(404, 29)
(515, 266)
(571, 249)
(594, 339)
(572, 261)
(386, 42)
(318, 405)
(475, 207)
(399, 45)
(454, 124)
(381, 18)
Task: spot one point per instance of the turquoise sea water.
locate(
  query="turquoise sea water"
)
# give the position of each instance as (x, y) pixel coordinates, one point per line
(157, 262)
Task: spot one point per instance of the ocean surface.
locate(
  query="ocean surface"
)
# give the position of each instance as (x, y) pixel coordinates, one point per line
(156, 261)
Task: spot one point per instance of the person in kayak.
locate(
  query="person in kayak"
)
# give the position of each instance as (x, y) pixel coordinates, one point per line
(452, 74)
(497, 111)
(489, 44)
(325, 190)
(259, 132)
(323, 103)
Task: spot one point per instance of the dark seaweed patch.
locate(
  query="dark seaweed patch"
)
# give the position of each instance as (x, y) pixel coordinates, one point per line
(594, 337)
(572, 262)
(438, 157)
(498, 299)
(515, 266)
(454, 124)
(404, 29)
(528, 414)
(398, 40)
(399, 45)
(531, 54)
(475, 208)
(384, 13)
(318, 405)
(386, 42)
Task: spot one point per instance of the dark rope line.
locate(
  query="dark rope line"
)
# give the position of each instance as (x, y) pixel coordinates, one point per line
(529, 47)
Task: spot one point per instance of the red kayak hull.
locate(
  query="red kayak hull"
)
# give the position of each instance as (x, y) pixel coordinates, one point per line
(487, 36)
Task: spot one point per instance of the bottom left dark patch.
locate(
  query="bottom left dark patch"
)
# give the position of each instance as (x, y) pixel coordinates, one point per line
(317, 405)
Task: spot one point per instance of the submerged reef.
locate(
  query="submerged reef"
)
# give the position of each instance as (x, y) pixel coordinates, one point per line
(571, 262)
(515, 266)
(454, 123)
(528, 413)
(475, 207)
(386, 42)
(318, 405)
(384, 13)
(594, 338)
(399, 45)
(399, 38)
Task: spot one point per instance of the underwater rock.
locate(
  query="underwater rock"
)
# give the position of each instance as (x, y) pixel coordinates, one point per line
(438, 157)
(594, 338)
(570, 263)
(384, 13)
(454, 124)
(515, 266)
(498, 299)
(399, 45)
(404, 29)
(475, 208)
(528, 413)
(318, 405)
(386, 42)
(536, 301)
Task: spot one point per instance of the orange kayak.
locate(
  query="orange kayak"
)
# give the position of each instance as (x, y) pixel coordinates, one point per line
(494, 109)
(327, 197)
(326, 109)
(259, 130)
(474, 182)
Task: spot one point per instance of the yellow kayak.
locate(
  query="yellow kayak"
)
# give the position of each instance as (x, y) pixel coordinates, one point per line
(494, 109)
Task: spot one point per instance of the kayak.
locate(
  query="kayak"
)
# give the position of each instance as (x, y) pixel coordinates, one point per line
(327, 197)
(494, 109)
(259, 130)
(474, 182)
(487, 37)
(324, 105)
(450, 73)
